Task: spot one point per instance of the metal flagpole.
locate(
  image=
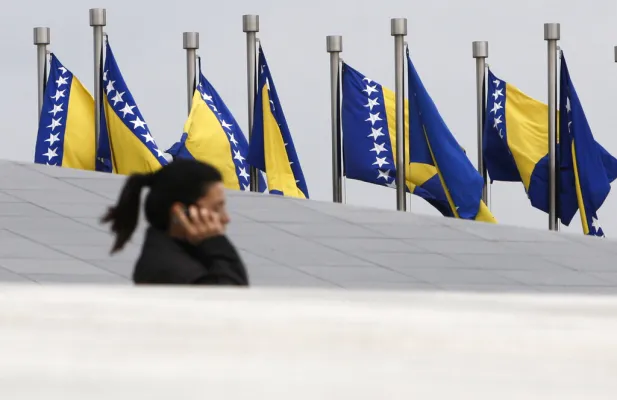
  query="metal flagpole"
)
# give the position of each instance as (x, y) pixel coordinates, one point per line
(98, 19)
(398, 27)
(480, 53)
(42, 38)
(250, 25)
(190, 43)
(616, 54)
(552, 35)
(334, 46)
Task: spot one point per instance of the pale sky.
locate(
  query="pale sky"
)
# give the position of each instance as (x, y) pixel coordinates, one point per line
(147, 41)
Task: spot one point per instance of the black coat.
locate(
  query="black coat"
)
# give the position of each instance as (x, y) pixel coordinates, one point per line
(164, 260)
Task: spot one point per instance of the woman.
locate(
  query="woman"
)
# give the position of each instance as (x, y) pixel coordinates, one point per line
(185, 242)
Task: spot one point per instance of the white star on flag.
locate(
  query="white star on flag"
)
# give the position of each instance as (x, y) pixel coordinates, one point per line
(127, 110)
(110, 86)
(53, 138)
(568, 104)
(376, 133)
(391, 184)
(159, 153)
(497, 82)
(62, 81)
(232, 139)
(225, 124)
(246, 187)
(206, 97)
(372, 103)
(118, 98)
(373, 118)
(138, 123)
(384, 174)
(370, 89)
(104, 75)
(380, 161)
(58, 95)
(595, 224)
(497, 94)
(496, 107)
(148, 137)
(57, 109)
(62, 70)
(243, 174)
(213, 107)
(51, 153)
(378, 148)
(238, 156)
(55, 123)
(368, 80)
(497, 121)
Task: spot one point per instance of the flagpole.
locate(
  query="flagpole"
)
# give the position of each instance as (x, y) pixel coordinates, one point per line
(480, 53)
(250, 25)
(552, 35)
(98, 19)
(616, 54)
(190, 43)
(334, 46)
(42, 38)
(398, 27)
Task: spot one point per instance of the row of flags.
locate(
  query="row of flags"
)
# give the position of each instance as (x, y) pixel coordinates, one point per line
(515, 141)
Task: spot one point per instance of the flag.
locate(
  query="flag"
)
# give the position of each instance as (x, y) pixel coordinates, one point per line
(212, 135)
(585, 165)
(66, 128)
(434, 148)
(368, 119)
(515, 143)
(123, 129)
(271, 148)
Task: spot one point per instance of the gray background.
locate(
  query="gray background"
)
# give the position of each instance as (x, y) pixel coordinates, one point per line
(147, 41)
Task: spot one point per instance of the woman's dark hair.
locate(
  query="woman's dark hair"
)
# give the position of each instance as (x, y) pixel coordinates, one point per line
(183, 181)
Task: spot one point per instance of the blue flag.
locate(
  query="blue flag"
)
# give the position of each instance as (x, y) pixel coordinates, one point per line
(431, 142)
(271, 148)
(585, 165)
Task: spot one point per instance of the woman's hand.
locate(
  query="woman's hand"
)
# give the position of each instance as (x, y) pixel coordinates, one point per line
(199, 224)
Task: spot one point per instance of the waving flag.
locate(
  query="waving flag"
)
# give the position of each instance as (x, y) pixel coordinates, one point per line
(271, 148)
(124, 131)
(433, 147)
(585, 164)
(516, 140)
(66, 129)
(212, 135)
(369, 140)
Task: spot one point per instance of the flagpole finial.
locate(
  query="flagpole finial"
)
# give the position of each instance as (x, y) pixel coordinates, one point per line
(98, 17)
(42, 36)
(480, 49)
(190, 40)
(552, 31)
(250, 23)
(334, 44)
(398, 26)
